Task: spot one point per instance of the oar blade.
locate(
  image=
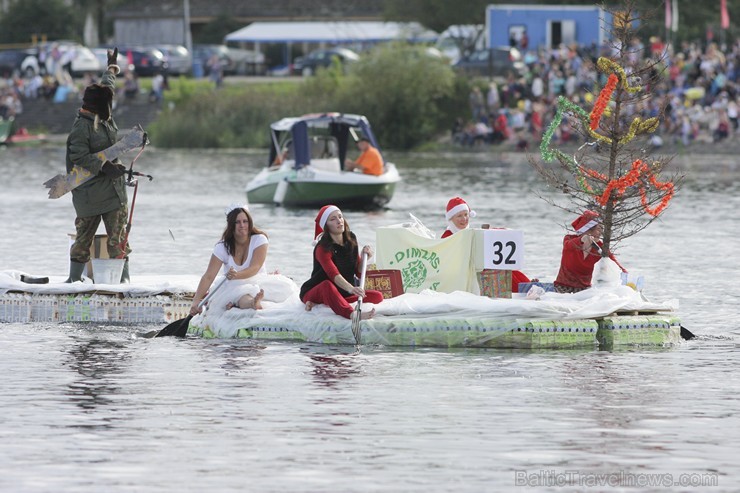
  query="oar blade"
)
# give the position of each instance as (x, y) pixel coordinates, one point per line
(178, 328)
(356, 329)
(686, 334)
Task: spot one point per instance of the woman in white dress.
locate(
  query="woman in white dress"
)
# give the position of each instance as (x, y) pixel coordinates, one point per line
(241, 255)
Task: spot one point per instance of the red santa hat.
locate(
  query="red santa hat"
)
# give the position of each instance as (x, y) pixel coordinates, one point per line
(585, 221)
(321, 219)
(456, 205)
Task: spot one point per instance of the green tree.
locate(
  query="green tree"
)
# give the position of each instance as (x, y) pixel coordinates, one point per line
(51, 18)
(399, 87)
(215, 31)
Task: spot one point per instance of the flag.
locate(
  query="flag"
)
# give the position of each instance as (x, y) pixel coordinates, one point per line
(674, 25)
(724, 16)
(668, 21)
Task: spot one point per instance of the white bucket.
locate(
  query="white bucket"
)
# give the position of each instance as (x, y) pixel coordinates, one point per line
(107, 270)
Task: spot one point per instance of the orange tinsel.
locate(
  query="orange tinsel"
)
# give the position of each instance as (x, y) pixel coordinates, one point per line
(603, 100)
(633, 177)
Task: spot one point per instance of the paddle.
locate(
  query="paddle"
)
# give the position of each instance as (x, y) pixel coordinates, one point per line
(179, 328)
(686, 334)
(357, 314)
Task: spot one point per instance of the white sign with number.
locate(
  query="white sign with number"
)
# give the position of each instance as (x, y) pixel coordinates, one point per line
(503, 249)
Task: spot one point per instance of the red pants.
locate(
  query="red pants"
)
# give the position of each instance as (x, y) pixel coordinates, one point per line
(326, 293)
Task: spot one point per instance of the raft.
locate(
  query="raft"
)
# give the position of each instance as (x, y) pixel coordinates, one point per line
(598, 317)
(152, 300)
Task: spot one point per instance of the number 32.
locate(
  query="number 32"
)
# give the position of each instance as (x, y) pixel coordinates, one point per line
(498, 252)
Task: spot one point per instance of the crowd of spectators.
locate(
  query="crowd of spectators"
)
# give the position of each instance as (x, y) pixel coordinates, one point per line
(59, 86)
(697, 92)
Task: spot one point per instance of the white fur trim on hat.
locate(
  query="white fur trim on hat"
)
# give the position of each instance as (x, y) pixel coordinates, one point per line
(587, 226)
(457, 209)
(325, 216)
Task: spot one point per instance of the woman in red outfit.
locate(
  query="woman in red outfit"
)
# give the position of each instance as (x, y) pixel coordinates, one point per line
(458, 216)
(336, 262)
(581, 251)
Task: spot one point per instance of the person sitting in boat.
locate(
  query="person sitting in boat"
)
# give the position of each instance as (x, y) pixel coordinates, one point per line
(369, 162)
(458, 216)
(336, 262)
(280, 157)
(581, 251)
(241, 254)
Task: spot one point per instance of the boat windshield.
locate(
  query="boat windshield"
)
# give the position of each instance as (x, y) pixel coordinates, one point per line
(324, 147)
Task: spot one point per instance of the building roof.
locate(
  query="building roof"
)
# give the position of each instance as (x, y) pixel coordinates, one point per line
(331, 32)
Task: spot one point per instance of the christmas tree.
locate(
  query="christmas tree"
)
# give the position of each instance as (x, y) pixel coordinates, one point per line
(613, 172)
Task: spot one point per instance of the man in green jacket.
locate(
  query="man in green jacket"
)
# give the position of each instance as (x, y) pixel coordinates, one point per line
(103, 196)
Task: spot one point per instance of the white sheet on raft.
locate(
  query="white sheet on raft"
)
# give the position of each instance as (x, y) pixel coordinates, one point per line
(10, 280)
(606, 297)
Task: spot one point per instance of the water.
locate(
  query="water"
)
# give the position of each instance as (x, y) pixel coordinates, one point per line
(93, 408)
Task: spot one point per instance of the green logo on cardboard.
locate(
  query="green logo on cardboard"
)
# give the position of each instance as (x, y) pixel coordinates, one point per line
(414, 274)
(418, 264)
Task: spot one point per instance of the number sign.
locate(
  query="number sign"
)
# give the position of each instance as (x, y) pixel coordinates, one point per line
(503, 249)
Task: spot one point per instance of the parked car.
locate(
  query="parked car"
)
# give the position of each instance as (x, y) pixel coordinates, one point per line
(146, 61)
(178, 58)
(11, 61)
(234, 61)
(74, 57)
(493, 62)
(307, 65)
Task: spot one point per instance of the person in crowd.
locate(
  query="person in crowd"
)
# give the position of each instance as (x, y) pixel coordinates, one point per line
(130, 85)
(336, 262)
(581, 251)
(458, 216)
(477, 104)
(369, 162)
(241, 255)
(103, 196)
(158, 86)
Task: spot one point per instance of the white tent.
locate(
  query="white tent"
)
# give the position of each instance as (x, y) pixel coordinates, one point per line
(331, 32)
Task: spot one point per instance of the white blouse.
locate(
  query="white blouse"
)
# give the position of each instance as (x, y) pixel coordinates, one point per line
(255, 242)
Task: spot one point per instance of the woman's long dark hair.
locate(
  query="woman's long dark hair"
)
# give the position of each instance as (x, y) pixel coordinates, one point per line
(228, 236)
(347, 236)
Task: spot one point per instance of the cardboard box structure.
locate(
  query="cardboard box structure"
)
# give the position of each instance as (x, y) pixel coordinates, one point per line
(473, 260)
(387, 281)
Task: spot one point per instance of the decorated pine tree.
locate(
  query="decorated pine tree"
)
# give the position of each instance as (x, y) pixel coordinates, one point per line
(613, 170)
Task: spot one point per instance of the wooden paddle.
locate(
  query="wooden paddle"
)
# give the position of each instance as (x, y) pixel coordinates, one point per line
(357, 314)
(179, 328)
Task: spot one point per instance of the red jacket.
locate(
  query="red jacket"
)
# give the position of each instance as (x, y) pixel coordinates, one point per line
(575, 270)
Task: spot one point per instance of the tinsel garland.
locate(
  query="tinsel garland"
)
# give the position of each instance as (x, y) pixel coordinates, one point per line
(606, 65)
(639, 169)
(590, 123)
(602, 101)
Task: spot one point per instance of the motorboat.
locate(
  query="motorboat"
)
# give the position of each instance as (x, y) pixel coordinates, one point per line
(305, 167)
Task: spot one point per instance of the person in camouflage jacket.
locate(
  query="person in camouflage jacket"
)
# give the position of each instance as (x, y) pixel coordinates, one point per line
(104, 196)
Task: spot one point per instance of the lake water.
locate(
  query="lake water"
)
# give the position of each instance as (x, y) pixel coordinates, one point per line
(93, 408)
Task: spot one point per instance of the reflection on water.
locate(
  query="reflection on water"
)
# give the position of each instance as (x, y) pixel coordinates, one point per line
(333, 365)
(98, 362)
